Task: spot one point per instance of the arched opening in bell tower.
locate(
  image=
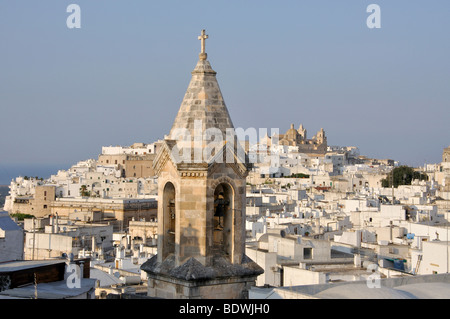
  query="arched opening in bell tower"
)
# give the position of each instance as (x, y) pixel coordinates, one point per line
(223, 219)
(169, 219)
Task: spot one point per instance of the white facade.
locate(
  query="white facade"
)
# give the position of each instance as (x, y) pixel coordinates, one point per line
(66, 237)
(11, 239)
(102, 181)
(20, 187)
(436, 258)
(135, 149)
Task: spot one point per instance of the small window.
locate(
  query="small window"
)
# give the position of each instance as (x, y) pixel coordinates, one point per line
(307, 253)
(45, 206)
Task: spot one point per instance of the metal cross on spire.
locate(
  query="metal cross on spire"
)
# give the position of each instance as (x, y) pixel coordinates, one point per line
(202, 38)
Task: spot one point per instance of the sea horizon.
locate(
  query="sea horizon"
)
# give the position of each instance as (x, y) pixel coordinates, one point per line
(8, 172)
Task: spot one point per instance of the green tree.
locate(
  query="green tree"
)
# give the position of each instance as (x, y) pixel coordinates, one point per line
(21, 216)
(84, 192)
(402, 175)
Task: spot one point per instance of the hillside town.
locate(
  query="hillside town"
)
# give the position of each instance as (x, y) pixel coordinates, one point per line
(304, 220)
(312, 219)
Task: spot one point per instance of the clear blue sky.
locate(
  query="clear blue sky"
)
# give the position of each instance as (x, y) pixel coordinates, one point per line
(120, 78)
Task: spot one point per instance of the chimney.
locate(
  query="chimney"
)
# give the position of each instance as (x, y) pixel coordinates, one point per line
(81, 269)
(94, 244)
(52, 223)
(56, 223)
(357, 260)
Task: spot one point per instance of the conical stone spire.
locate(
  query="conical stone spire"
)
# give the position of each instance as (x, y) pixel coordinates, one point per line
(203, 103)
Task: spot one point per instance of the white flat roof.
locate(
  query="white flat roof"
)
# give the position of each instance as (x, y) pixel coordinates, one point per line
(51, 290)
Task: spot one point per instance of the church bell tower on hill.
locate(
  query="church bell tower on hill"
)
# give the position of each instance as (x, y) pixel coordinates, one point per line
(202, 174)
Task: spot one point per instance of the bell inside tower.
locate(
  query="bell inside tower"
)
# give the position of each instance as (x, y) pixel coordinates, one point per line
(223, 219)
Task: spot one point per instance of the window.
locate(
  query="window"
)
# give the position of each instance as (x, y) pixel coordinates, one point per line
(45, 206)
(307, 253)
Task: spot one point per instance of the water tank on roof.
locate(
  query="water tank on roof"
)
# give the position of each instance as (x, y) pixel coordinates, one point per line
(409, 236)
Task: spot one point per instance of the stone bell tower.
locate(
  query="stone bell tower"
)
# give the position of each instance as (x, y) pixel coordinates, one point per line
(202, 174)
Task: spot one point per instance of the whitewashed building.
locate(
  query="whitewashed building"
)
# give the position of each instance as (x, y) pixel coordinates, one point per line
(11, 239)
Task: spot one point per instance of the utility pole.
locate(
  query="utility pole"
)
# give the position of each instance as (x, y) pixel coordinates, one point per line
(34, 237)
(447, 210)
(392, 180)
(35, 287)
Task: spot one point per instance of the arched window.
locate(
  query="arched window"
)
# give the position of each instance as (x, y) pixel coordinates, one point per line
(223, 218)
(169, 219)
